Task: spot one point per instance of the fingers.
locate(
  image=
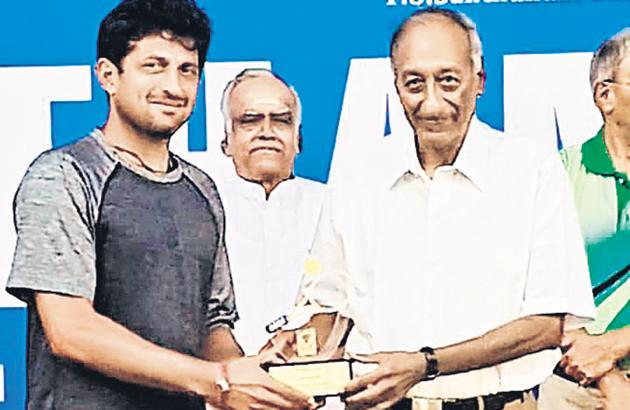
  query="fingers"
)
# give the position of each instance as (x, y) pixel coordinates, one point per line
(288, 393)
(580, 375)
(260, 397)
(363, 382)
(252, 387)
(370, 395)
(279, 349)
(375, 397)
(272, 357)
(585, 372)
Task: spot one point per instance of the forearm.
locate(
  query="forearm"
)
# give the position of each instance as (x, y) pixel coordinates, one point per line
(220, 345)
(103, 345)
(515, 339)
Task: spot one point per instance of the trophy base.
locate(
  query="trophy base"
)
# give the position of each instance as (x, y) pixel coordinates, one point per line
(317, 378)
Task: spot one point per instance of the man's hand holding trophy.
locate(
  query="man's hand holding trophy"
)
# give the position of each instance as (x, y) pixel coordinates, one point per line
(307, 350)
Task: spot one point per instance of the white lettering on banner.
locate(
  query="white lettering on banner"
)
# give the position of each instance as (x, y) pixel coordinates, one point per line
(213, 161)
(26, 131)
(545, 90)
(435, 3)
(369, 86)
(1, 383)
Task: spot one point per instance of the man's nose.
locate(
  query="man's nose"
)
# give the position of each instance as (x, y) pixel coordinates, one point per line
(266, 128)
(172, 83)
(431, 102)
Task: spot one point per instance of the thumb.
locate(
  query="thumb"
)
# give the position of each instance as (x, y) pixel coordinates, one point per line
(366, 358)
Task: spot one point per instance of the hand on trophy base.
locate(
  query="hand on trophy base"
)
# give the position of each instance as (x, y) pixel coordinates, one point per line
(310, 359)
(246, 385)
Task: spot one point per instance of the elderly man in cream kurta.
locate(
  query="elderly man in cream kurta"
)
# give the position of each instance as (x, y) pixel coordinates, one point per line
(271, 214)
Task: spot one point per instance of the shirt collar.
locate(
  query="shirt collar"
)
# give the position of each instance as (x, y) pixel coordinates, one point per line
(255, 190)
(471, 159)
(595, 156)
(173, 175)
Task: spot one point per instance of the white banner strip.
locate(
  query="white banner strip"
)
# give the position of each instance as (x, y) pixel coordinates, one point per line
(1, 383)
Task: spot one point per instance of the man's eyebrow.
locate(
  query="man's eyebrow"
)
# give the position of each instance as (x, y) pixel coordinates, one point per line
(412, 72)
(251, 114)
(453, 69)
(161, 60)
(287, 113)
(189, 64)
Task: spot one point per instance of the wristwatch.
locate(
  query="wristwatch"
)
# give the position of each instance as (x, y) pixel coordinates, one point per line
(432, 370)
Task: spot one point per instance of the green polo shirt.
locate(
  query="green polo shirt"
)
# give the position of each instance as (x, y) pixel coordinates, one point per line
(602, 196)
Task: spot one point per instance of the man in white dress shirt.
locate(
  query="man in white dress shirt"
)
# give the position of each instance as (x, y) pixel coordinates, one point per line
(457, 252)
(271, 214)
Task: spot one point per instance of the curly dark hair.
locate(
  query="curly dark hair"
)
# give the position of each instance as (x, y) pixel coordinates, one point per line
(132, 20)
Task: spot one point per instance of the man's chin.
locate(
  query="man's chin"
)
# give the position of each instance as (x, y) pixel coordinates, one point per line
(433, 133)
(162, 131)
(267, 169)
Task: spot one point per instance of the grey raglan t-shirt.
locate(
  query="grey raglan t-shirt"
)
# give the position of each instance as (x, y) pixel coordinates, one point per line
(147, 251)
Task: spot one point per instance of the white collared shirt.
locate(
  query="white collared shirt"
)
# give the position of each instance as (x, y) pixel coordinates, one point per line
(431, 262)
(267, 242)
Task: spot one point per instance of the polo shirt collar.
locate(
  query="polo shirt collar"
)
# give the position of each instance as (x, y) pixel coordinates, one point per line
(595, 156)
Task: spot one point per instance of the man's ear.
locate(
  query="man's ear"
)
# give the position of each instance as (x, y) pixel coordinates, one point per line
(108, 75)
(297, 141)
(603, 97)
(225, 147)
(482, 82)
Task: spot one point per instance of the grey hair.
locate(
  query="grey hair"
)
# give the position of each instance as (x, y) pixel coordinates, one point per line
(255, 73)
(463, 21)
(608, 56)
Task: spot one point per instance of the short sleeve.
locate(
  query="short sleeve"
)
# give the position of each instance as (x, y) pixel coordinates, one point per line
(557, 278)
(221, 307)
(220, 300)
(55, 239)
(329, 285)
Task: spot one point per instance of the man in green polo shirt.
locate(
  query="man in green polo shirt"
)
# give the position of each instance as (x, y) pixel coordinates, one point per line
(600, 357)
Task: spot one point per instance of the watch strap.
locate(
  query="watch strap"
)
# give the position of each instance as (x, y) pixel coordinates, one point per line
(432, 371)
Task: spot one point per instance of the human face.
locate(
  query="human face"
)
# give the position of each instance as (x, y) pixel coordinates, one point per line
(619, 89)
(264, 136)
(436, 81)
(155, 89)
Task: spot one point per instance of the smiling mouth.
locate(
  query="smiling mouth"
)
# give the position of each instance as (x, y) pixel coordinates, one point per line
(265, 149)
(168, 104)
